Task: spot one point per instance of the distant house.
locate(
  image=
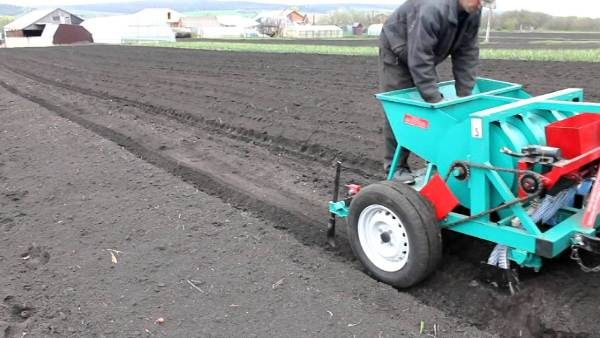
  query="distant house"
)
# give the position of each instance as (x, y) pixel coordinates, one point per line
(358, 28)
(296, 17)
(153, 24)
(42, 28)
(288, 17)
(172, 18)
(272, 23)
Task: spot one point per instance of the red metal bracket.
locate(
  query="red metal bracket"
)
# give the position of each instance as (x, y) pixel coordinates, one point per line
(564, 168)
(353, 189)
(440, 195)
(570, 167)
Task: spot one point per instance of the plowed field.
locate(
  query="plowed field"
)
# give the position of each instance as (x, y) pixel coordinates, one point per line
(260, 132)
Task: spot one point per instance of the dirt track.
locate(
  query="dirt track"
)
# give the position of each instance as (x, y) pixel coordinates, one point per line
(261, 131)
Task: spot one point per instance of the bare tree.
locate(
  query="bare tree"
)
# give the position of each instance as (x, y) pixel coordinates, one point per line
(271, 26)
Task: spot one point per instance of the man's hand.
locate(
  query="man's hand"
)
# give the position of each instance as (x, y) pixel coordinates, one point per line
(435, 99)
(463, 92)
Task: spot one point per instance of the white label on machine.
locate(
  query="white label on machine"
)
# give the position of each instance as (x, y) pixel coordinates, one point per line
(476, 128)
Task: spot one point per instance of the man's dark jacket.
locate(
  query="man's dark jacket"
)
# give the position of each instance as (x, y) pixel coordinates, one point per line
(421, 34)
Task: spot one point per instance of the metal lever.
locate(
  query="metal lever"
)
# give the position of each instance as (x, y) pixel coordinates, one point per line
(336, 191)
(536, 154)
(508, 151)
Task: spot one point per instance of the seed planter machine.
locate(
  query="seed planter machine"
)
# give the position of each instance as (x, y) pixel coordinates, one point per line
(503, 166)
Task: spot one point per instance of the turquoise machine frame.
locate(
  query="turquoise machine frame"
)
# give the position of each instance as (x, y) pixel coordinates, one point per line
(471, 129)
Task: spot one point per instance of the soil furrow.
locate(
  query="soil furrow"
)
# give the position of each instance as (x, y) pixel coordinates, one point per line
(303, 149)
(301, 224)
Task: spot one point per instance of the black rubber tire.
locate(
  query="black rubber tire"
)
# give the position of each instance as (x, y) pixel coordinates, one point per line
(422, 228)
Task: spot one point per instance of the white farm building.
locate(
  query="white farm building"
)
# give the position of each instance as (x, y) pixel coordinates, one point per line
(312, 32)
(375, 29)
(153, 24)
(225, 26)
(45, 27)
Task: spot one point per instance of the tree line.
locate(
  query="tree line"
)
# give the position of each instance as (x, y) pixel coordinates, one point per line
(525, 20)
(344, 18)
(4, 20)
(505, 21)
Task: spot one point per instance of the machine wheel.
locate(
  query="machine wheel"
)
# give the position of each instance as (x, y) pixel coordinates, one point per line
(394, 233)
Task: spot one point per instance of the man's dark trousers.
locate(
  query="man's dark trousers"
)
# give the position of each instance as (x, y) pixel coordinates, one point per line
(393, 75)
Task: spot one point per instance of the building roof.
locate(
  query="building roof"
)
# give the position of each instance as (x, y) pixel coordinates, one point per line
(200, 21)
(145, 17)
(277, 14)
(151, 14)
(31, 18)
(236, 21)
(27, 19)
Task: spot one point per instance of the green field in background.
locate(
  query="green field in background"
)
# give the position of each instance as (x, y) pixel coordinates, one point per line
(566, 55)
(586, 55)
(270, 48)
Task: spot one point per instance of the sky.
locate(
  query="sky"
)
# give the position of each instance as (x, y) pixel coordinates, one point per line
(590, 8)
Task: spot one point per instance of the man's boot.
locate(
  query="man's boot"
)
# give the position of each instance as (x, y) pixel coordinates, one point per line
(404, 175)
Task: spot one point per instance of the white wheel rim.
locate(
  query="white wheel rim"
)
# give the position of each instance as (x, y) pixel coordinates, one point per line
(383, 238)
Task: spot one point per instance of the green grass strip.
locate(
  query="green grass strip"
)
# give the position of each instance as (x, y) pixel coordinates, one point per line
(271, 48)
(566, 55)
(563, 55)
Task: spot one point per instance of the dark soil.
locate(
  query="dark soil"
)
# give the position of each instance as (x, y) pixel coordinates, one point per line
(259, 131)
(69, 196)
(498, 40)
